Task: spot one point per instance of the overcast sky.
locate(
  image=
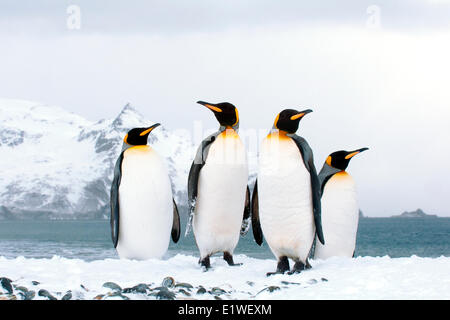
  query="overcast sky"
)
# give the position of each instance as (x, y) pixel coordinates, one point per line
(376, 74)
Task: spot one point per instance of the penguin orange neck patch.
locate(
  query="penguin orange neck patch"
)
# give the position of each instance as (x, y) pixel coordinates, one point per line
(278, 134)
(342, 175)
(229, 133)
(142, 148)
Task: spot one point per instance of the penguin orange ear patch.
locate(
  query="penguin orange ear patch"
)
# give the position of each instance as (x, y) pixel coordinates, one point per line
(276, 121)
(125, 139)
(237, 117)
(329, 161)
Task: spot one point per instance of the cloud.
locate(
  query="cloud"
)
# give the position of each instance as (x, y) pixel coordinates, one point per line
(178, 16)
(386, 89)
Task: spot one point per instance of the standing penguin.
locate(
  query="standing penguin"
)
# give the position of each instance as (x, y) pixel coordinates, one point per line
(219, 198)
(340, 211)
(143, 212)
(286, 198)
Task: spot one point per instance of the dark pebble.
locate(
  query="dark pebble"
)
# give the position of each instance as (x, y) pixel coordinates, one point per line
(6, 284)
(324, 279)
(46, 294)
(140, 288)
(29, 295)
(168, 282)
(165, 294)
(118, 294)
(217, 291)
(35, 283)
(217, 298)
(84, 288)
(288, 283)
(270, 289)
(201, 290)
(22, 289)
(184, 292)
(67, 296)
(112, 286)
(184, 285)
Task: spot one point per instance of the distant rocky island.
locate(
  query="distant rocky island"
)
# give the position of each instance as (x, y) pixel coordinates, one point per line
(415, 214)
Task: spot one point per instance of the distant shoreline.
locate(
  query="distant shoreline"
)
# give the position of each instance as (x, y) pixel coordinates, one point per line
(403, 217)
(415, 214)
(408, 215)
(41, 219)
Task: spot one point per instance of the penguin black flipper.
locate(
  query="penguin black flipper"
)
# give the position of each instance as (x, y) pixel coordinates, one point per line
(114, 200)
(247, 214)
(194, 173)
(308, 159)
(325, 174)
(256, 226)
(176, 229)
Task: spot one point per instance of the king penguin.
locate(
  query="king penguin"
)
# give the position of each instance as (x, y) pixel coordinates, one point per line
(340, 211)
(143, 212)
(286, 197)
(219, 198)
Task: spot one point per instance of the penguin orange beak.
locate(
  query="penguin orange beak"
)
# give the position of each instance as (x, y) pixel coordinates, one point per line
(147, 131)
(210, 106)
(301, 114)
(354, 153)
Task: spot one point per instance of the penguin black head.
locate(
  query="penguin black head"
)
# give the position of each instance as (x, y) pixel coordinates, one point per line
(226, 113)
(341, 159)
(139, 136)
(289, 119)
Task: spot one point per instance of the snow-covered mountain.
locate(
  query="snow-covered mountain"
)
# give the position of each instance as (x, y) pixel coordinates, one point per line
(56, 164)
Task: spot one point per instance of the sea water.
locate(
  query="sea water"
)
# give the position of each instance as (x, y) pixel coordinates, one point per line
(91, 240)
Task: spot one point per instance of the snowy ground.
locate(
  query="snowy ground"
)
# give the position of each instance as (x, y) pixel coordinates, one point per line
(336, 278)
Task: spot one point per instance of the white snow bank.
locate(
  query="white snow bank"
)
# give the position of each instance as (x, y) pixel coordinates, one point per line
(335, 278)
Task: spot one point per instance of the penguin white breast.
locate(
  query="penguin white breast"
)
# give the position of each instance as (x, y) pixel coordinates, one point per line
(146, 207)
(221, 195)
(340, 215)
(285, 198)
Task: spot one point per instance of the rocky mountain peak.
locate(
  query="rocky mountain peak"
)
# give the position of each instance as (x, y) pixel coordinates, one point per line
(59, 165)
(127, 118)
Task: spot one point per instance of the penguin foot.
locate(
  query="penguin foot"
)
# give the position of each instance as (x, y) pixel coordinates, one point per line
(229, 259)
(282, 266)
(307, 266)
(299, 267)
(293, 272)
(205, 263)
